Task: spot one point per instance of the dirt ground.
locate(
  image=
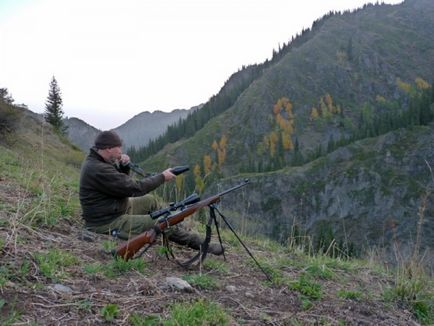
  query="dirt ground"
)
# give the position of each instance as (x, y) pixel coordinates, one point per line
(27, 297)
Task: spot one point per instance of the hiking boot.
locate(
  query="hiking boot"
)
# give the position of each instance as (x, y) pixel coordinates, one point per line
(216, 249)
(182, 237)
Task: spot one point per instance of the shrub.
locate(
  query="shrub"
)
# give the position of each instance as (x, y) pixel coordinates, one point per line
(9, 117)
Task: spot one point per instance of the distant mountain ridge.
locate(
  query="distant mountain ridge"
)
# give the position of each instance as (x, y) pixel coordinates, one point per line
(81, 133)
(135, 132)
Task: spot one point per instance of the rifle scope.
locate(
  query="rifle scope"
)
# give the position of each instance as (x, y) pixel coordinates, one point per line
(193, 198)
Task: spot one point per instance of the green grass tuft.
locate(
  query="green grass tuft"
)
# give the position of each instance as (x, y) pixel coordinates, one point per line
(52, 263)
(202, 281)
(198, 313)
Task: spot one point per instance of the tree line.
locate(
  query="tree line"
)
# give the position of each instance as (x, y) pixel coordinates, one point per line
(415, 107)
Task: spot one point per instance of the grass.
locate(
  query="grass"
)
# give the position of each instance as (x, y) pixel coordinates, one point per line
(415, 289)
(143, 320)
(349, 294)
(307, 287)
(216, 265)
(52, 263)
(202, 281)
(198, 313)
(110, 311)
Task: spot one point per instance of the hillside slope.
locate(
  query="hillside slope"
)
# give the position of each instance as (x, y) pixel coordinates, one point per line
(362, 60)
(365, 195)
(54, 273)
(357, 76)
(81, 133)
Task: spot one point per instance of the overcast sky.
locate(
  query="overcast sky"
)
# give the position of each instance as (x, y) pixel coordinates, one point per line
(115, 59)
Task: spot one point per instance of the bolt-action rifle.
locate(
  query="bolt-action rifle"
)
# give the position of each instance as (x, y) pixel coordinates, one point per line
(137, 169)
(131, 247)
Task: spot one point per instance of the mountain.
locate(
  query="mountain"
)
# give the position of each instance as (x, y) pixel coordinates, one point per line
(81, 133)
(352, 77)
(136, 132)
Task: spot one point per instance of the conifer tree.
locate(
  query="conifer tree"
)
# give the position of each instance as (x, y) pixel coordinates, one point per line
(5, 96)
(53, 108)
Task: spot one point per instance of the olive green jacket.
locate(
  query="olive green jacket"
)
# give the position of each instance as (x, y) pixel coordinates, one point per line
(104, 189)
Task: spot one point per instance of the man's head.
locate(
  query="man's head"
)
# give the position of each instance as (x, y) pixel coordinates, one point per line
(108, 144)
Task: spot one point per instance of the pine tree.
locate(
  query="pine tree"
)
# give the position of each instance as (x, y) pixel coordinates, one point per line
(5, 96)
(53, 108)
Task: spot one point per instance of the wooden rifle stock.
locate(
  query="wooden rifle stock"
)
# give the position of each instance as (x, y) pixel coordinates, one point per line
(131, 247)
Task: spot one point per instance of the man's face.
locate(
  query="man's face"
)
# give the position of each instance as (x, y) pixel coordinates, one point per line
(114, 154)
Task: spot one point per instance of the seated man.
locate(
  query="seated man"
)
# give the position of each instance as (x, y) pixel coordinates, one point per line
(114, 203)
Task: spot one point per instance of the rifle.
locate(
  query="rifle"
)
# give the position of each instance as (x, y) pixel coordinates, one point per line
(131, 247)
(137, 169)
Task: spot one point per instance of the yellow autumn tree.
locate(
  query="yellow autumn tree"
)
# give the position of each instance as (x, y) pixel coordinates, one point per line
(221, 157)
(274, 138)
(325, 113)
(284, 100)
(179, 182)
(197, 170)
(287, 141)
(277, 107)
(221, 150)
(314, 113)
(207, 164)
(329, 102)
(282, 122)
(223, 142)
(214, 145)
(286, 127)
(406, 87)
(288, 109)
(421, 84)
(200, 184)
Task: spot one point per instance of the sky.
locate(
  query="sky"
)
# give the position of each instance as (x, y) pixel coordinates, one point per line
(114, 59)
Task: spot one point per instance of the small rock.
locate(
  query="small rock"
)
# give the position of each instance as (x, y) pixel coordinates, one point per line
(231, 288)
(60, 288)
(177, 284)
(249, 295)
(86, 235)
(9, 284)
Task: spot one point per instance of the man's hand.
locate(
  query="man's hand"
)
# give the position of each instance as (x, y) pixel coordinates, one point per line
(125, 159)
(168, 175)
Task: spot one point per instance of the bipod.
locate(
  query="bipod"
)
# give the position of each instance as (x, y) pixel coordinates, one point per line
(213, 217)
(201, 255)
(213, 208)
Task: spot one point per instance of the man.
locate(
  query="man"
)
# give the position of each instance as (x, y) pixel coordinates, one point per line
(114, 203)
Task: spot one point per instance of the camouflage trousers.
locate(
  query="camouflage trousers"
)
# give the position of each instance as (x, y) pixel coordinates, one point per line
(136, 220)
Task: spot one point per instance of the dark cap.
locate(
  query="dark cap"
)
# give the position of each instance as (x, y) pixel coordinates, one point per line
(107, 139)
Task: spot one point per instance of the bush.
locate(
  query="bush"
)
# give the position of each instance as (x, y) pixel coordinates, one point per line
(9, 117)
